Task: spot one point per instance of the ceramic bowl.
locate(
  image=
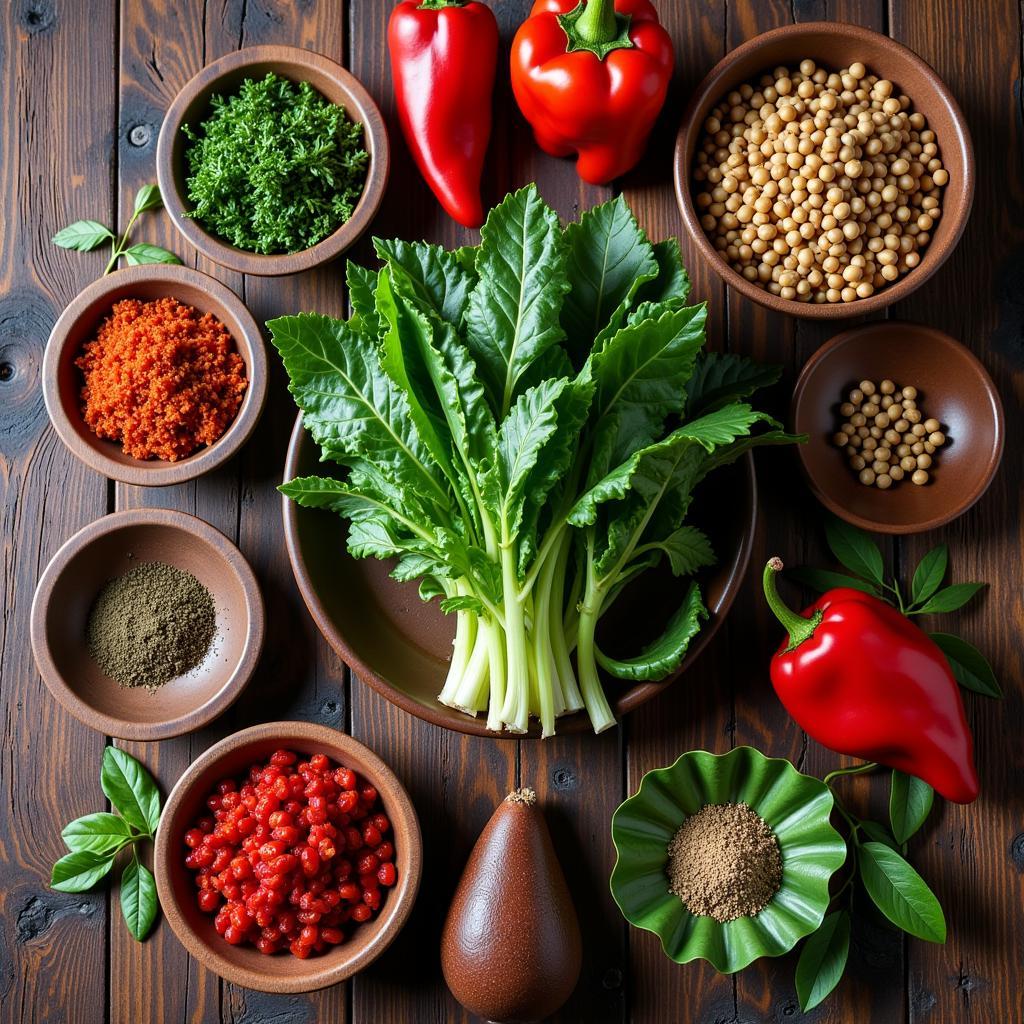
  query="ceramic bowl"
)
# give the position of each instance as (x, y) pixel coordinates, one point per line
(244, 965)
(953, 387)
(797, 807)
(223, 77)
(108, 548)
(401, 646)
(836, 45)
(62, 380)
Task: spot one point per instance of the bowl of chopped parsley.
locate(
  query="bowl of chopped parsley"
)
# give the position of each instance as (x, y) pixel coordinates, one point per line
(272, 160)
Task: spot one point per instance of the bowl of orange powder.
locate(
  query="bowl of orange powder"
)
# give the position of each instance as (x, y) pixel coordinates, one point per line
(155, 375)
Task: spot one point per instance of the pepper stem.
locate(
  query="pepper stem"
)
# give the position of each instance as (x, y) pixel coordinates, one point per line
(597, 22)
(798, 627)
(596, 26)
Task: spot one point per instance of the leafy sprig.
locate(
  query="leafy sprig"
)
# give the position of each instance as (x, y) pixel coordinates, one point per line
(878, 866)
(86, 235)
(95, 841)
(927, 596)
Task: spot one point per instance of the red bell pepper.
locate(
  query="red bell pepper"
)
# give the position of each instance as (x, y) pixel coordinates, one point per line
(443, 58)
(591, 78)
(862, 679)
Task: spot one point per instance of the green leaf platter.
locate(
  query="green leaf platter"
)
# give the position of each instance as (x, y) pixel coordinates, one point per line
(796, 806)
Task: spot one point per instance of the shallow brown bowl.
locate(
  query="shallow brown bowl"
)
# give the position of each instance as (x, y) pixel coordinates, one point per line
(62, 380)
(243, 965)
(402, 647)
(835, 45)
(108, 548)
(953, 387)
(223, 77)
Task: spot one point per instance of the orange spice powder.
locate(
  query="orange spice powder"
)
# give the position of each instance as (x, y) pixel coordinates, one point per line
(161, 378)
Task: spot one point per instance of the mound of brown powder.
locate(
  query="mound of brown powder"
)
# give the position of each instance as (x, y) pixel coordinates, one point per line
(724, 862)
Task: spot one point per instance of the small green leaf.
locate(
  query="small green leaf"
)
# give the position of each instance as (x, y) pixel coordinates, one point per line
(823, 960)
(148, 198)
(878, 834)
(929, 574)
(910, 803)
(855, 549)
(143, 253)
(950, 598)
(101, 833)
(462, 603)
(81, 870)
(83, 236)
(131, 789)
(901, 893)
(138, 898)
(970, 669)
(824, 579)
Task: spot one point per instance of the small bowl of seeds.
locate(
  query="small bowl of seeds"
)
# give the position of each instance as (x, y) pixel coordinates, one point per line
(824, 170)
(147, 624)
(726, 857)
(905, 426)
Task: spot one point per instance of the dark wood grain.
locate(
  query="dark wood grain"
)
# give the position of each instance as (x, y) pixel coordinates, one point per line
(77, 138)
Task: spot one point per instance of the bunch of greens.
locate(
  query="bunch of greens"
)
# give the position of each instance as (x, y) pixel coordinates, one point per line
(97, 839)
(86, 235)
(523, 424)
(876, 853)
(276, 167)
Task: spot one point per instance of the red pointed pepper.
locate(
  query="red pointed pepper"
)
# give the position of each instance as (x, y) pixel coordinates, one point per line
(863, 680)
(591, 78)
(443, 57)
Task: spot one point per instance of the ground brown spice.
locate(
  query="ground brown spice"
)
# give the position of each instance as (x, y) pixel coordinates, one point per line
(161, 378)
(724, 862)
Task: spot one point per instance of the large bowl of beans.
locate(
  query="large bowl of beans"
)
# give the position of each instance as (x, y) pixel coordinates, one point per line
(824, 170)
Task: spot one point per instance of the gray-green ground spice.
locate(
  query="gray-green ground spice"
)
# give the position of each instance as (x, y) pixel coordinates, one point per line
(150, 625)
(724, 862)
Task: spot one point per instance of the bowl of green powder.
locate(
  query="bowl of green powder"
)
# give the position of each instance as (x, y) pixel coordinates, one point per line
(272, 160)
(726, 857)
(147, 624)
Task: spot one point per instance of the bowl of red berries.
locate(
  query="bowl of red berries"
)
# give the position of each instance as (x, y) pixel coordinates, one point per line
(288, 857)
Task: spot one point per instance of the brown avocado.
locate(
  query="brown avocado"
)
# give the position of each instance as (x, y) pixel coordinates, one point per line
(511, 947)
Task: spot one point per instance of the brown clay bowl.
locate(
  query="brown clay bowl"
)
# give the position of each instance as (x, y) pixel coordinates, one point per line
(62, 381)
(953, 387)
(243, 965)
(223, 77)
(835, 45)
(401, 646)
(107, 548)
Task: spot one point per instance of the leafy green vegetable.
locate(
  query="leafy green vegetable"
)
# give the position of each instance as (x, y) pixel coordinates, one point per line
(509, 427)
(823, 960)
(96, 839)
(276, 167)
(86, 235)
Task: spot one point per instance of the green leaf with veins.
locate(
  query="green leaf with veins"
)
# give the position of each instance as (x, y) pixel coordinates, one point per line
(440, 281)
(142, 253)
(910, 803)
(720, 378)
(83, 235)
(823, 960)
(688, 550)
(824, 579)
(855, 549)
(949, 599)
(138, 898)
(512, 318)
(102, 833)
(662, 656)
(131, 789)
(80, 871)
(879, 834)
(929, 574)
(147, 198)
(362, 286)
(900, 892)
(968, 664)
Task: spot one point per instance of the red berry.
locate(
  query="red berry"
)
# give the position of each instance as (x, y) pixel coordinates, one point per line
(386, 874)
(209, 901)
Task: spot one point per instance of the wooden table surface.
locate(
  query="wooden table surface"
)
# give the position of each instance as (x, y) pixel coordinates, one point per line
(83, 89)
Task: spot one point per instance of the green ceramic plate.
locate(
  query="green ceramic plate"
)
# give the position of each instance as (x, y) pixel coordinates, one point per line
(796, 806)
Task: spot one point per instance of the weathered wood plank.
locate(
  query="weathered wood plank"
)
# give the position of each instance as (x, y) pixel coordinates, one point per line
(56, 140)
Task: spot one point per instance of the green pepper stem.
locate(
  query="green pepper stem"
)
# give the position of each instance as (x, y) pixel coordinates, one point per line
(798, 627)
(597, 22)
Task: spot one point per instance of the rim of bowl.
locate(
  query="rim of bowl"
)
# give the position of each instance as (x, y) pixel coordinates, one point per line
(970, 498)
(577, 722)
(197, 717)
(397, 908)
(359, 106)
(686, 140)
(154, 472)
